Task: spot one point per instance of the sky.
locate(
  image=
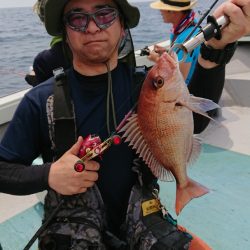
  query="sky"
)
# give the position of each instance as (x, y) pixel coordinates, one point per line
(16, 3)
(29, 3)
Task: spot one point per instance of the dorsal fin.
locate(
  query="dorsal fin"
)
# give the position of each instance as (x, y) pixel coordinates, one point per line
(133, 135)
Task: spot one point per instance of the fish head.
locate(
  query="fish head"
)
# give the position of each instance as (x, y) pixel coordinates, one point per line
(164, 80)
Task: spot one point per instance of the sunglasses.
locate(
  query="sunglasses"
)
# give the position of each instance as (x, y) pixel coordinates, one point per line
(79, 21)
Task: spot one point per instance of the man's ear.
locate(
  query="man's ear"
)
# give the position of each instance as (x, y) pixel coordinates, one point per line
(123, 32)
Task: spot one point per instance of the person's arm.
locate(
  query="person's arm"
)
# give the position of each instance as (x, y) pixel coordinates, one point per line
(206, 83)
(21, 179)
(19, 147)
(18, 179)
(208, 78)
(23, 143)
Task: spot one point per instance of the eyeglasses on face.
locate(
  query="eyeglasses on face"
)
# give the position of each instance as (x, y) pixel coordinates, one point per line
(79, 20)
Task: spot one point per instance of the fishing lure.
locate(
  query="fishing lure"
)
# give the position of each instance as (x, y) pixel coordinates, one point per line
(91, 147)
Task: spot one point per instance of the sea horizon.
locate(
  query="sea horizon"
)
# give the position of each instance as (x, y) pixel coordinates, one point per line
(23, 36)
(30, 3)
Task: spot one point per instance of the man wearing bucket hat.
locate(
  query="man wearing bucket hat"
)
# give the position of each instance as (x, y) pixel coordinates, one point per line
(180, 14)
(99, 207)
(103, 55)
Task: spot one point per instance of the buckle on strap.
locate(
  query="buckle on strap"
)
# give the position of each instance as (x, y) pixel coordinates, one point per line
(58, 73)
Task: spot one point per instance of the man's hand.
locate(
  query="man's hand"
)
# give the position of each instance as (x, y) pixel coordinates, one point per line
(238, 12)
(65, 180)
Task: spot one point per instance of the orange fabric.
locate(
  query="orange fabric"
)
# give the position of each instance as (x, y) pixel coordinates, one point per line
(196, 243)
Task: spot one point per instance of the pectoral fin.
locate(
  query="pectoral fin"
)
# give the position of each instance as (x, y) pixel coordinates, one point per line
(200, 105)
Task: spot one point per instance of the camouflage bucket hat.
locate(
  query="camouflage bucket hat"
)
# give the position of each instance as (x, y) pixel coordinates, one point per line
(54, 11)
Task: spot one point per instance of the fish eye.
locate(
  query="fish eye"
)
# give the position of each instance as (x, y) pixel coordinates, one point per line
(158, 82)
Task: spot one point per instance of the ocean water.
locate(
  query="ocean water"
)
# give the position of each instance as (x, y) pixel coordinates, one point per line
(22, 36)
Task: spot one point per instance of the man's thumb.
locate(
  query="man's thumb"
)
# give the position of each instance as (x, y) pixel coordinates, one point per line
(76, 147)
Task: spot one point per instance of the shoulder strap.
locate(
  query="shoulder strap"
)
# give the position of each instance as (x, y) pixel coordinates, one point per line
(64, 117)
(139, 76)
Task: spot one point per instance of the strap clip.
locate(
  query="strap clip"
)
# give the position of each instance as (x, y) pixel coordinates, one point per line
(58, 73)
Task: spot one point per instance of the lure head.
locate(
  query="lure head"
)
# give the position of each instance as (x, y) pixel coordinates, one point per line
(89, 142)
(93, 143)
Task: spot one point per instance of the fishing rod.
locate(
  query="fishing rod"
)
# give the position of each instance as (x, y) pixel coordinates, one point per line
(201, 20)
(212, 29)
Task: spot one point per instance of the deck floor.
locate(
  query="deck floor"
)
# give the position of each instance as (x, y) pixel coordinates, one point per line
(221, 217)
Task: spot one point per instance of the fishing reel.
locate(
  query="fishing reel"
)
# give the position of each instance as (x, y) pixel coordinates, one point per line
(145, 51)
(91, 147)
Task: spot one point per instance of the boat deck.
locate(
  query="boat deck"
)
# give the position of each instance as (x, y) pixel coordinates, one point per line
(221, 217)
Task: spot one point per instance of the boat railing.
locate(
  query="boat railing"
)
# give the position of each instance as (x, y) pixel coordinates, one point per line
(9, 103)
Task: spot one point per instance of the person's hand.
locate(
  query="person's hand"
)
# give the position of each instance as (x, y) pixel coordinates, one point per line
(155, 54)
(65, 180)
(159, 49)
(238, 12)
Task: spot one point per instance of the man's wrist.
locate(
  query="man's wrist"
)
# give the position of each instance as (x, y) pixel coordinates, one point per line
(218, 56)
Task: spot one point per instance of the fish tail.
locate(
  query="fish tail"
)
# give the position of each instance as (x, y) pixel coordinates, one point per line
(196, 243)
(192, 190)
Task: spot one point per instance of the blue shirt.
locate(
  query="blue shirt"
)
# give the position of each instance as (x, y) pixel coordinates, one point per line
(193, 56)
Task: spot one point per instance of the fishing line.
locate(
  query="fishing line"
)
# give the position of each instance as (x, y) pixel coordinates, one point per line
(192, 31)
(111, 97)
(201, 20)
(195, 27)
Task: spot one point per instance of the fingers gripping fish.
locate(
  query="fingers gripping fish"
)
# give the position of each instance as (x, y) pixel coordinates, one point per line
(162, 129)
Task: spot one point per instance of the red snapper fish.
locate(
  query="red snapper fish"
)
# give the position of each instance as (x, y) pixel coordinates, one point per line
(162, 129)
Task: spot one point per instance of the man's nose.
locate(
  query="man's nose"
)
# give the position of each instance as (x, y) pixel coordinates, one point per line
(92, 26)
